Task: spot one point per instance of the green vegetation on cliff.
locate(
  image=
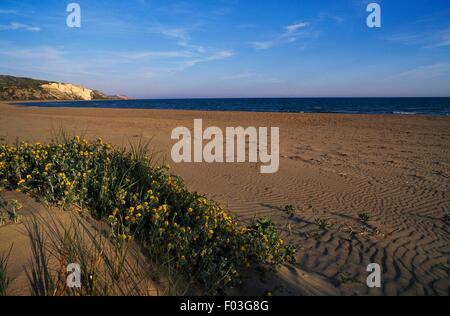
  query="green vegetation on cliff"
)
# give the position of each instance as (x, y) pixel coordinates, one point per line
(16, 88)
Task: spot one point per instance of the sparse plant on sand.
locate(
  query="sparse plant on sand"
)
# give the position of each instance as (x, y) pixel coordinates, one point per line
(15, 207)
(344, 277)
(347, 278)
(364, 217)
(290, 210)
(3, 218)
(321, 222)
(142, 201)
(446, 219)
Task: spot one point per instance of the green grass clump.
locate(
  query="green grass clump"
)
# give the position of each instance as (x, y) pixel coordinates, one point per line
(290, 210)
(142, 201)
(364, 217)
(321, 222)
(108, 267)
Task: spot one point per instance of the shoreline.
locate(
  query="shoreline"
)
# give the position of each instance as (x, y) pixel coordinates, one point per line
(394, 113)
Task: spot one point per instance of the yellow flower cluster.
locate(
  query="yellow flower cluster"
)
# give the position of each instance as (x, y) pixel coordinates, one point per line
(137, 200)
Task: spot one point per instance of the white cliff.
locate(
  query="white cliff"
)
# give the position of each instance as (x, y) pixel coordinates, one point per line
(77, 92)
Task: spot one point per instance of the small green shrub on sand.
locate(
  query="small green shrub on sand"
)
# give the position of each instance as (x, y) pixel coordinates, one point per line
(290, 210)
(321, 222)
(364, 217)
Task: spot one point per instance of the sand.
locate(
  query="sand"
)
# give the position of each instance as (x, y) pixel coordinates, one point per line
(332, 168)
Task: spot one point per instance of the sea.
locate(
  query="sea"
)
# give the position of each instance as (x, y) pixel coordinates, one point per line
(392, 106)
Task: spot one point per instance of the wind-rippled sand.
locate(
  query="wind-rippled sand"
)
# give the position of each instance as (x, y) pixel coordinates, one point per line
(332, 168)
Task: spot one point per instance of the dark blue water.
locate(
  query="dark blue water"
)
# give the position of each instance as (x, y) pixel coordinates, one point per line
(412, 106)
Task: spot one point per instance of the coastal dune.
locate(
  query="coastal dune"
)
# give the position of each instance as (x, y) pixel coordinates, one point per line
(333, 169)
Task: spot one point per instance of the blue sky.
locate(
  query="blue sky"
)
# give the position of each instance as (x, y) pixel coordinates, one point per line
(232, 48)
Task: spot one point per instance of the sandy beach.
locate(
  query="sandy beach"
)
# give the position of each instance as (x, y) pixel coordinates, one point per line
(332, 169)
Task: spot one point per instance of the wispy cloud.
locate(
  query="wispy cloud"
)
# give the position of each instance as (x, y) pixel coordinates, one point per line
(253, 77)
(196, 54)
(3, 11)
(181, 8)
(429, 39)
(129, 56)
(290, 35)
(44, 60)
(37, 53)
(48, 60)
(180, 34)
(214, 57)
(325, 16)
(239, 76)
(443, 39)
(261, 45)
(13, 26)
(403, 38)
(425, 72)
(291, 29)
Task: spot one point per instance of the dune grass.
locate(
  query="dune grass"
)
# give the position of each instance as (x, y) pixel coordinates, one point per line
(4, 279)
(111, 267)
(179, 230)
